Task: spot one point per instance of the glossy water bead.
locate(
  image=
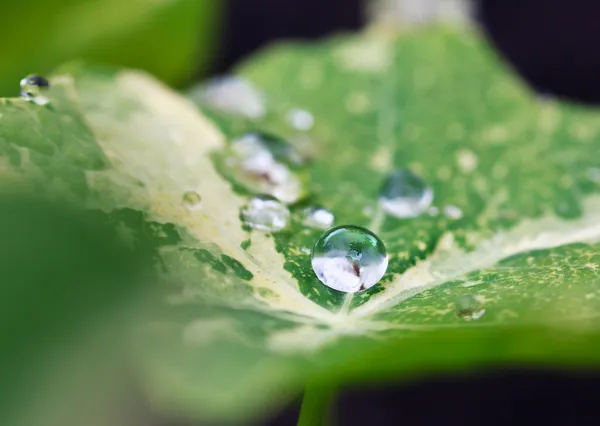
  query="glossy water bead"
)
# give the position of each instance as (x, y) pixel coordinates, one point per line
(405, 194)
(33, 88)
(265, 213)
(349, 258)
(267, 164)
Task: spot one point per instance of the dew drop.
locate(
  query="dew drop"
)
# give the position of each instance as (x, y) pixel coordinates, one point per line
(405, 194)
(453, 212)
(318, 218)
(231, 95)
(349, 259)
(469, 307)
(300, 119)
(191, 200)
(265, 213)
(594, 174)
(33, 88)
(266, 164)
(433, 211)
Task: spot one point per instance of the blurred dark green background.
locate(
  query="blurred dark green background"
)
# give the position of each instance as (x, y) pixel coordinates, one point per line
(172, 39)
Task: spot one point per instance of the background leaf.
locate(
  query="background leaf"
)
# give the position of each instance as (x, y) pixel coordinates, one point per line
(243, 322)
(168, 38)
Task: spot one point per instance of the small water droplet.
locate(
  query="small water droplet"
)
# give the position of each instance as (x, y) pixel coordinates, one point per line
(469, 307)
(305, 250)
(453, 212)
(349, 258)
(265, 213)
(231, 95)
(300, 119)
(433, 211)
(405, 194)
(318, 218)
(264, 163)
(33, 87)
(594, 174)
(191, 200)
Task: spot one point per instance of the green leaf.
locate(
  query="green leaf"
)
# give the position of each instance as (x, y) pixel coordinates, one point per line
(167, 38)
(65, 278)
(243, 323)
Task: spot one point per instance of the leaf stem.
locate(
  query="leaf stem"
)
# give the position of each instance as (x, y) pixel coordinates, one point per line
(315, 409)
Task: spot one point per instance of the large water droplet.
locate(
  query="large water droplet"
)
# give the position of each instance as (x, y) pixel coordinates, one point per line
(231, 95)
(349, 258)
(265, 213)
(33, 88)
(318, 218)
(405, 194)
(300, 119)
(469, 307)
(266, 164)
(191, 200)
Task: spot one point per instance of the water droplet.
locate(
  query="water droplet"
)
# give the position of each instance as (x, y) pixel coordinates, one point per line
(453, 212)
(231, 95)
(33, 88)
(191, 200)
(594, 174)
(469, 307)
(318, 218)
(349, 258)
(265, 213)
(266, 164)
(433, 211)
(305, 250)
(405, 194)
(300, 119)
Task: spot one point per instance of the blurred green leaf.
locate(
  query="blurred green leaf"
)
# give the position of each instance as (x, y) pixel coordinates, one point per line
(65, 277)
(243, 323)
(170, 38)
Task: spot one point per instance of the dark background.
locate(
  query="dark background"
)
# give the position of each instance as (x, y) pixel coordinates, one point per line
(555, 46)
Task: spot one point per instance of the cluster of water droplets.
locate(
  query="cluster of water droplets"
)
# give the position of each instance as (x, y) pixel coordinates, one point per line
(346, 258)
(34, 88)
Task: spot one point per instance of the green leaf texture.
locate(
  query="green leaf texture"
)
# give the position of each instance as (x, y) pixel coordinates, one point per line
(243, 323)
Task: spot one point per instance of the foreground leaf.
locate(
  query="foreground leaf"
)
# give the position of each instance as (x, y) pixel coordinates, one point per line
(244, 323)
